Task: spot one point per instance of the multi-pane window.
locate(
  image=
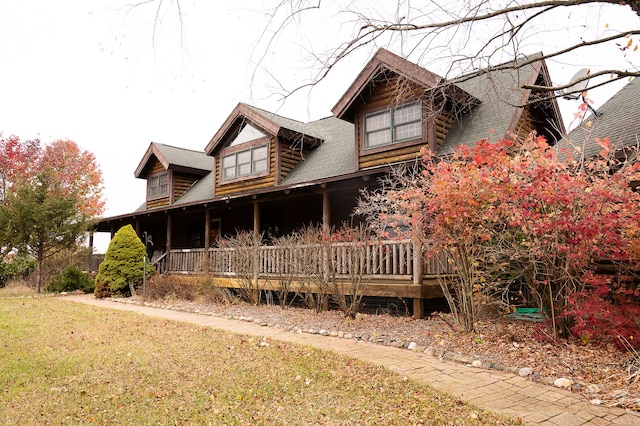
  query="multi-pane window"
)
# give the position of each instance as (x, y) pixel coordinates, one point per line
(158, 185)
(393, 125)
(245, 163)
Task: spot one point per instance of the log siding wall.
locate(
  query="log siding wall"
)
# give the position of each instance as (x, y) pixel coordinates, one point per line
(155, 168)
(249, 183)
(181, 183)
(525, 125)
(289, 158)
(391, 93)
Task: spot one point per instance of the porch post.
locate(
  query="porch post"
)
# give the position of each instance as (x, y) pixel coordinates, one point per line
(113, 231)
(418, 264)
(418, 311)
(256, 217)
(168, 248)
(326, 211)
(418, 272)
(207, 229)
(91, 241)
(138, 227)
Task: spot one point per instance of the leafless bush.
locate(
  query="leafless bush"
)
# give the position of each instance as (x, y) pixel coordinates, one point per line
(286, 271)
(163, 287)
(314, 262)
(310, 260)
(245, 263)
(352, 259)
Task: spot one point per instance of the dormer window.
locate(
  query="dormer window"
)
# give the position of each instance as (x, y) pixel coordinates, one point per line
(393, 125)
(248, 162)
(158, 185)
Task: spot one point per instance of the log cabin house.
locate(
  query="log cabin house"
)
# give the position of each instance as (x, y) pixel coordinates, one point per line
(264, 172)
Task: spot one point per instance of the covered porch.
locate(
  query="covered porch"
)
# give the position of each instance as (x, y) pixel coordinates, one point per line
(185, 240)
(392, 268)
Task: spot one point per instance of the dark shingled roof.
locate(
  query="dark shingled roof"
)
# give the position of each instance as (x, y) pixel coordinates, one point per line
(336, 156)
(308, 129)
(618, 121)
(185, 157)
(499, 92)
(201, 190)
(173, 157)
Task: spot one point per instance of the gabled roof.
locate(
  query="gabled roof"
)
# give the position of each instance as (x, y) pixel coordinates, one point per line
(180, 159)
(501, 95)
(383, 61)
(496, 96)
(618, 120)
(335, 157)
(269, 122)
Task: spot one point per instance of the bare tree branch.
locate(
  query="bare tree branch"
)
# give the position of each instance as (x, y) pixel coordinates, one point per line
(428, 30)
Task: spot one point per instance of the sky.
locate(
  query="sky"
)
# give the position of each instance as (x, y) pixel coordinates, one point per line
(114, 78)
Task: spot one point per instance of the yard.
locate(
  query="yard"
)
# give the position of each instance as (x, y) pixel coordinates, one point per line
(65, 363)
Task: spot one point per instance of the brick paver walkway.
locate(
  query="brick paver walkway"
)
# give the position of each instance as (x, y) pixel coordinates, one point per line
(498, 392)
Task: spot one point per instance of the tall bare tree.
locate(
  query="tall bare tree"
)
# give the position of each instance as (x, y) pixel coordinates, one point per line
(454, 38)
(472, 36)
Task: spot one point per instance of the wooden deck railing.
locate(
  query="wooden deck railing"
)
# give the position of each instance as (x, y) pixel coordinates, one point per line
(387, 259)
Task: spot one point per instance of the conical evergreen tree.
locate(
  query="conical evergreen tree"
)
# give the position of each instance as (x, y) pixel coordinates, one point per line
(123, 264)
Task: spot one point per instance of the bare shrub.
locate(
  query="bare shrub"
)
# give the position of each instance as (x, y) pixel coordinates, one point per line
(167, 287)
(285, 270)
(352, 253)
(310, 260)
(164, 286)
(314, 261)
(245, 263)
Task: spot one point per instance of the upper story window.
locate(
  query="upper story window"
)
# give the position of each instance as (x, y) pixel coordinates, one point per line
(244, 163)
(158, 185)
(393, 125)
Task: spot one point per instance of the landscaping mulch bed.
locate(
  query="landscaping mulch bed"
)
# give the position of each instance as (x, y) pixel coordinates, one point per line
(602, 373)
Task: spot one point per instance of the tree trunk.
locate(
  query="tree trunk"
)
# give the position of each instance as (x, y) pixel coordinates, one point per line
(40, 261)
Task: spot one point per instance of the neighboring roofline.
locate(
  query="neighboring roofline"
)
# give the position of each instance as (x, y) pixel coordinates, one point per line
(384, 59)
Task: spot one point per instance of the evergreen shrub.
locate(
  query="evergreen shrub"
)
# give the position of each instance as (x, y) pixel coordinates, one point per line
(18, 266)
(71, 279)
(122, 267)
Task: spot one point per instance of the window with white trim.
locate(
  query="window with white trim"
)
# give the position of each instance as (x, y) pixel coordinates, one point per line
(158, 185)
(248, 162)
(393, 125)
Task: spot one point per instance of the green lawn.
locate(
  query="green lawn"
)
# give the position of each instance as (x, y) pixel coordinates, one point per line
(65, 363)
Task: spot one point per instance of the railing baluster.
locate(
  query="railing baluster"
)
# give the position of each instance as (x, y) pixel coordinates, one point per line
(376, 259)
